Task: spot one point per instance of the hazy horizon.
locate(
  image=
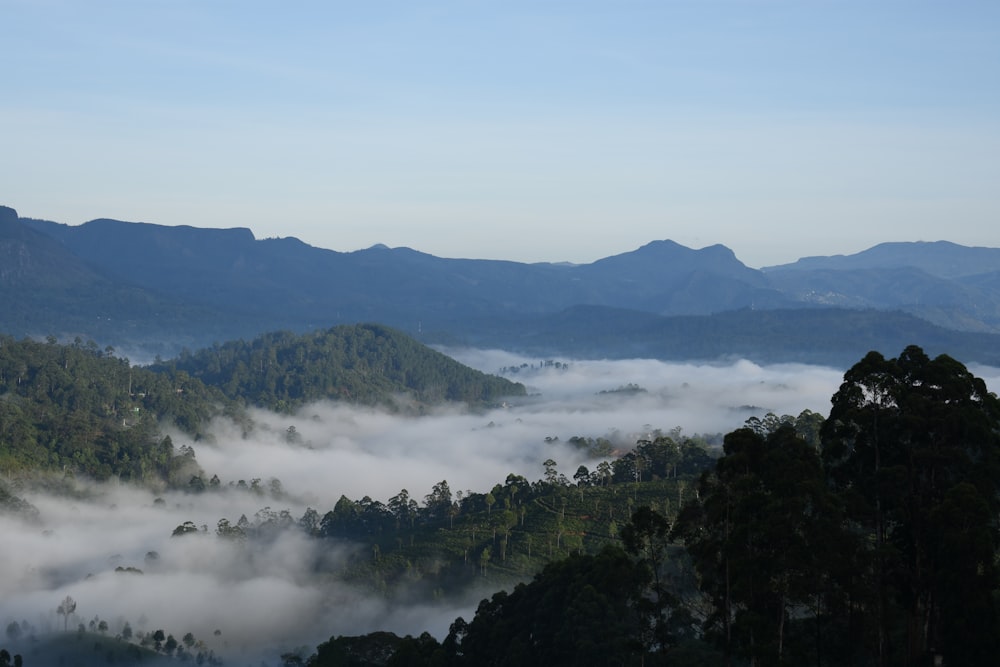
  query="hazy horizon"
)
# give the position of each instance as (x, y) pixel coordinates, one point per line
(518, 130)
(816, 253)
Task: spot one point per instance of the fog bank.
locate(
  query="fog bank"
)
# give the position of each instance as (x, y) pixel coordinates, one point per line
(273, 594)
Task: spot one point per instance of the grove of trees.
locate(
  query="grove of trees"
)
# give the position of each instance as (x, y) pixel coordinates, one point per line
(79, 408)
(875, 544)
(866, 538)
(363, 363)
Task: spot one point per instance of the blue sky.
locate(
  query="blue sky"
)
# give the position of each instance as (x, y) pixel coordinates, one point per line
(531, 131)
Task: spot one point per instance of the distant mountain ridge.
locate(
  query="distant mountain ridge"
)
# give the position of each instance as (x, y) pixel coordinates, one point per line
(951, 285)
(144, 284)
(938, 258)
(399, 286)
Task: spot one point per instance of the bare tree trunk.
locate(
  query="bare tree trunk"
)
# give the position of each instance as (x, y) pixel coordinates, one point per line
(781, 626)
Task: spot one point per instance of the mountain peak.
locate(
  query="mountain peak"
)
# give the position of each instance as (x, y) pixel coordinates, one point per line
(678, 258)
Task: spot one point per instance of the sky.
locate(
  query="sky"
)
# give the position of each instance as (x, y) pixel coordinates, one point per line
(528, 131)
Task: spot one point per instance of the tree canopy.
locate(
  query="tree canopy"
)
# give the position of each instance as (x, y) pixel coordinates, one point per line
(363, 363)
(79, 408)
(869, 538)
(912, 446)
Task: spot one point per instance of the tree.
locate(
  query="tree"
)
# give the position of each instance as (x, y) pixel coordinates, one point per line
(912, 445)
(604, 472)
(551, 474)
(370, 649)
(186, 528)
(65, 609)
(438, 501)
(227, 531)
(310, 522)
(577, 611)
(403, 508)
(484, 559)
(422, 650)
(762, 519)
(647, 537)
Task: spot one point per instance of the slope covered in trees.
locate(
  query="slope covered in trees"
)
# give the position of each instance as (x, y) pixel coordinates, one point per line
(364, 363)
(82, 409)
(78, 408)
(877, 544)
(869, 538)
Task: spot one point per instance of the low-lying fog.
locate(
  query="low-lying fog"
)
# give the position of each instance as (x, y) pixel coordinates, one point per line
(266, 598)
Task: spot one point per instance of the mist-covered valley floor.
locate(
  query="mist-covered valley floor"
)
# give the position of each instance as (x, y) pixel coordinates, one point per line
(246, 600)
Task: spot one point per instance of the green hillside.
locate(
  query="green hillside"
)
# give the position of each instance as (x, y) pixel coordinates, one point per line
(81, 409)
(80, 648)
(444, 543)
(363, 363)
(874, 544)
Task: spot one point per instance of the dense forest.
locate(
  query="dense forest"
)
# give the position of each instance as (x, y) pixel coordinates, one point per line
(868, 537)
(876, 547)
(81, 409)
(364, 363)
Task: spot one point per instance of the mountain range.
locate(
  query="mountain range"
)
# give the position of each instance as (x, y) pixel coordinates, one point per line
(154, 289)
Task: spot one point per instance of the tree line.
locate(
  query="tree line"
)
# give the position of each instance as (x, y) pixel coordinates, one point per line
(99, 641)
(876, 544)
(77, 407)
(81, 409)
(363, 363)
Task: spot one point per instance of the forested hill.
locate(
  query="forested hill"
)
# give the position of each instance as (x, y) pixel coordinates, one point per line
(792, 548)
(79, 408)
(362, 363)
